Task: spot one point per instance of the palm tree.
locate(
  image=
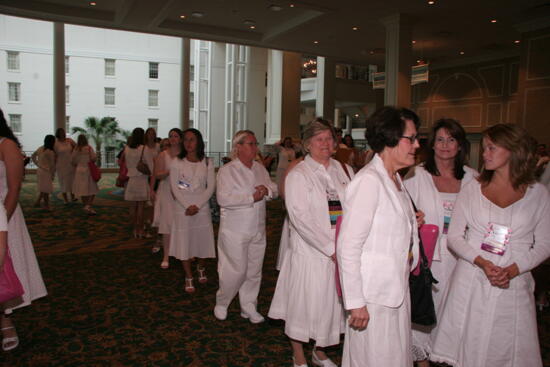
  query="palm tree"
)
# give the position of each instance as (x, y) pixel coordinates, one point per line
(103, 132)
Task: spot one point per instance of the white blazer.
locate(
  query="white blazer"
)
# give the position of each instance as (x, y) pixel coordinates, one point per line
(375, 239)
(236, 185)
(421, 187)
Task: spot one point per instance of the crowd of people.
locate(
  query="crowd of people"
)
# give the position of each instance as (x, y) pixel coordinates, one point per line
(493, 230)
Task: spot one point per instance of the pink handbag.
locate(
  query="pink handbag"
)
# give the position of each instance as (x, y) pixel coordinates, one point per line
(428, 234)
(10, 286)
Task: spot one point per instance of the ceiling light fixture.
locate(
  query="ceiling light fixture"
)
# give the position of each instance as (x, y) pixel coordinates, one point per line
(431, 2)
(183, 16)
(413, 42)
(252, 27)
(275, 7)
(291, 5)
(316, 42)
(355, 28)
(197, 14)
(462, 52)
(93, 3)
(517, 41)
(493, 20)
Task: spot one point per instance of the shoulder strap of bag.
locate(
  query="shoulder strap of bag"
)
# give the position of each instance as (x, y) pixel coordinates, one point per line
(420, 246)
(345, 169)
(142, 150)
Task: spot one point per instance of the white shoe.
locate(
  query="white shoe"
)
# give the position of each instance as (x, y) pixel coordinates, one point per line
(323, 363)
(220, 312)
(254, 316)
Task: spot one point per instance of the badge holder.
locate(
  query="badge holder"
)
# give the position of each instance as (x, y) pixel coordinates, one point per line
(496, 239)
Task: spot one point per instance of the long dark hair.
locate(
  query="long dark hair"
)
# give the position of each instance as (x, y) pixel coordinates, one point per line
(5, 130)
(138, 136)
(457, 132)
(200, 144)
(49, 142)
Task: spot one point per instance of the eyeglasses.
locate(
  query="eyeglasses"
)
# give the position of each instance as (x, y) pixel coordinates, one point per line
(412, 138)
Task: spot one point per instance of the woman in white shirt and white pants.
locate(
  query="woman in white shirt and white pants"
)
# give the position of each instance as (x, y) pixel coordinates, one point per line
(378, 246)
(243, 186)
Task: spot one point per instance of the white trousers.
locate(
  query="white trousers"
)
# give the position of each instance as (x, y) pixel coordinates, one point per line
(240, 260)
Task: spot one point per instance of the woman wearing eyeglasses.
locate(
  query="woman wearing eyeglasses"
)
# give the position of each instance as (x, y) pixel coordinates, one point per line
(378, 246)
(434, 186)
(243, 187)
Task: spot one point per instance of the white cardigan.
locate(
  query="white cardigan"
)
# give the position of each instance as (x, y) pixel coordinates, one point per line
(374, 240)
(420, 185)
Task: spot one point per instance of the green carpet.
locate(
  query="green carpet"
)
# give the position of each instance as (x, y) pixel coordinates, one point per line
(110, 304)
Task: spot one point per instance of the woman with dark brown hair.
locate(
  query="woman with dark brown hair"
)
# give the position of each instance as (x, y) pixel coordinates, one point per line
(83, 184)
(500, 231)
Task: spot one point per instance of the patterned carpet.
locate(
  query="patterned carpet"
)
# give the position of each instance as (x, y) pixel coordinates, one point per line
(110, 304)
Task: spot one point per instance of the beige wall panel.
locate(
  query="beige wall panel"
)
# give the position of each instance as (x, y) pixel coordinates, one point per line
(493, 77)
(469, 115)
(512, 112)
(538, 58)
(536, 110)
(494, 113)
(423, 114)
(458, 87)
(514, 77)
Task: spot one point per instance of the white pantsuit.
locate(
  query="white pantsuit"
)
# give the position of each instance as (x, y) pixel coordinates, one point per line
(377, 247)
(421, 187)
(483, 325)
(241, 237)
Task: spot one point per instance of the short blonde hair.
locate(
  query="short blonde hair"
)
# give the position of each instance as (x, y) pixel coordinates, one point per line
(315, 127)
(239, 139)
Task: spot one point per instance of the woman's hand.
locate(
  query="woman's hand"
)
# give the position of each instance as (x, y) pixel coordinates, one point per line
(420, 218)
(359, 318)
(511, 271)
(191, 210)
(496, 275)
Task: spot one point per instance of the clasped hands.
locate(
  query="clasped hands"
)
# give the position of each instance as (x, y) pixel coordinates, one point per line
(191, 210)
(498, 276)
(260, 192)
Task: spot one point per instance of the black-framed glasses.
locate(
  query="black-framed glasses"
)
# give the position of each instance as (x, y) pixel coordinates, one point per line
(412, 138)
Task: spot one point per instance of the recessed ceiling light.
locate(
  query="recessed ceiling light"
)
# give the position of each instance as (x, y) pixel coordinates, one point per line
(93, 3)
(517, 41)
(493, 20)
(371, 52)
(252, 27)
(291, 5)
(431, 2)
(355, 28)
(461, 52)
(275, 7)
(183, 16)
(197, 14)
(413, 42)
(356, 115)
(418, 61)
(316, 42)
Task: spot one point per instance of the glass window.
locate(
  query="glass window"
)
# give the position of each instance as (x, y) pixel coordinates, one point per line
(191, 100)
(192, 72)
(15, 123)
(110, 157)
(110, 96)
(154, 123)
(66, 64)
(153, 98)
(68, 124)
(67, 100)
(109, 67)
(14, 92)
(13, 60)
(153, 70)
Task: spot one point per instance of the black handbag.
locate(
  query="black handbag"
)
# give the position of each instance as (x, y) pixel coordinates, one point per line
(420, 287)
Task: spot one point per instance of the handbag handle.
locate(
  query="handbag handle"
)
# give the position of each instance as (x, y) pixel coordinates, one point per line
(420, 245)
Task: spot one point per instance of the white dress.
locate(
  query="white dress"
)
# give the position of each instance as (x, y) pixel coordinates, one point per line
(437, 208)
(137, 188)
(164, 203)
(22, 253)
(482, 325)
(83, 184)
(285, 156)
(44, 159)
(377, 248)
(63, 165)
(305, 296)
(192, 183)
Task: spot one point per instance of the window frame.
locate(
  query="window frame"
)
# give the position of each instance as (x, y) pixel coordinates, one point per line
(150, 95)
(107, 67)
(154, 74)
(108, 89)
(17, 56)
(10, 122)
(17, 86)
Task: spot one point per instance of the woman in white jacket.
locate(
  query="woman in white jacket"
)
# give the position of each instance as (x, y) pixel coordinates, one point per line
(305, 296)
(192, 181)
(434, 186)
(378, 246)
(500, 231)
(243, 186)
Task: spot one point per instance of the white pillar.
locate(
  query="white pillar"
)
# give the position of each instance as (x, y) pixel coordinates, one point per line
(326, 80)
(274, 96)
(398, 60)
(185, 82)
(59, 75)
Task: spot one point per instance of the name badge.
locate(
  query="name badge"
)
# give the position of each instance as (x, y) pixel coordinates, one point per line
(496, 239)
(183, 185)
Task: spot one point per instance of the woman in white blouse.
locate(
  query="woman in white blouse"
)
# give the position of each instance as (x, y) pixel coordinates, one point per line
(137, 190)
(83, 184)
(434, 185)
(65, 170)
(500, 231)
(243, 186)
(193, 181)
(378, 246)
(44, 159)
(164, 200)
(305, 296)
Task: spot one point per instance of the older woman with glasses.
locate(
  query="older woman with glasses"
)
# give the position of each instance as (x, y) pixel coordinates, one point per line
(243, 186)
(378, 246)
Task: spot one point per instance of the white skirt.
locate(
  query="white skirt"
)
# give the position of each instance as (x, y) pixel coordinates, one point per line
(137, 188)
(192, 236)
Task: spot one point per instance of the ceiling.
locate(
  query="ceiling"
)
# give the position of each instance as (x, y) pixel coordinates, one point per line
(348, 30)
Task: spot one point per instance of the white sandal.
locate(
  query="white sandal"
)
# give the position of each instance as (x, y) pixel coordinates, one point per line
(13, 340)
(202, 274)
(189, 288)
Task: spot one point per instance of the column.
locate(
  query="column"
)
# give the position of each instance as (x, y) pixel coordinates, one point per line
(326, 80)
(185, 82)
(59, 75)
(398, 60)
(283, 95)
